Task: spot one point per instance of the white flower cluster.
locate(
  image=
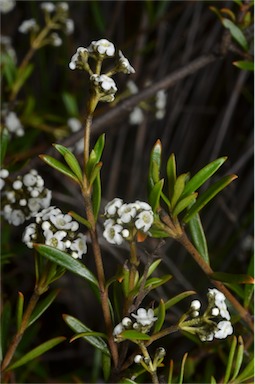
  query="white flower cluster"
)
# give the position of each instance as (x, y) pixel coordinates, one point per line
(60, 13)
(123, 220)
(215, 321)
(144, 320)
(105, 86)
(99, 50)
(57, 230)
(7, 5)
(12, 123)
(24, 197)
(160, 104)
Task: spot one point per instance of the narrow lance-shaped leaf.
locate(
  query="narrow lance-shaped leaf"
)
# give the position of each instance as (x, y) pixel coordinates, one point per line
(178, 188)
(239, 358)
(88, 333)
(66, 261)
(208, 195)
(171, 302)
(20, 306)
(249, 289)
(43, 306)
(70, 104)
(236, 33)
(3, 145)
(232, 278)
(171, 174)
(154, 196)
(198, 237)
(230, 359)
(184, 203)
(155, 163)
(96, 195)
(54, 163)
(247, 373)
(38, 351)
(246, 65)
(182, 368)
(201, 176)
(78, 327)
(106, 366)
(70, 160)
(134, 335)
(161, 313)
(95, 155)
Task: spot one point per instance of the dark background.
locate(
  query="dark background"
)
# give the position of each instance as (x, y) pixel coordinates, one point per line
(209, 114)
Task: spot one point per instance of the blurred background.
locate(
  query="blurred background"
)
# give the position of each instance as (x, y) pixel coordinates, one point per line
(207, 114)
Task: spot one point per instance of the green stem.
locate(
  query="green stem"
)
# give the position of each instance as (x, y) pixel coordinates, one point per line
(151, 369)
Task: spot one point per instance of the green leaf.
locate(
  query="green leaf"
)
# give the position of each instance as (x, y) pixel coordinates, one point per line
(239, 358)
(9, 70)
(42, 306)
(88, 333)
(249, 289)
(67, 261)
(232, 278)
(106, 366)
(98, 16)
(38, 351)
(95, 156)
(161, 313)
(202, 176)
(96, 195)
(80, 219)
(247, 373)
(198, 237)
(182, 368)
(230, 359)
(213, 381)
(22, 75)
(70, 160)
(134, 335)
(20, 306)
(236, 33)
(5, 325)
(208, 195)
(246, 65)
(155, 163)
(3, 145)
(154, 196)
(171, 302)
(155, 282)
(184, 203)
(178, 189)
(171, 174)
(151, 269)
(70, 104)
(54, 163)
(78, 327)
(96, 170)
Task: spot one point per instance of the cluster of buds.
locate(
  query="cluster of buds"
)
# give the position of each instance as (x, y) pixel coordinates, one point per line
(102, 84)
(149, 364)
(23, 197)
(12, 123)
(214, 323)
(123, 220)
(58, 230)
(144, 320)
(56, 18)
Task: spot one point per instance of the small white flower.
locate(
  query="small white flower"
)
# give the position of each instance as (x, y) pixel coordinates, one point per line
(144, 317)
(17, 184)
(195, 314)
(47, 7)
(29, 179)
(56, 41)
(138, 359)
(7, 5)
(4, 173)
(127, 212)
(11, 196)
(22, 202)
(63, 6)
(126, 322)
(27, 26)
(46, 225)
(206, 337)
(77, 59)
(124, 64)
(17, 217)
(144, 220)
(69, 26)
(125, 233)
(118, 329)
(144, 206)
(195, 304)
(112, 207)
(224, 329)
(132, 87)
(161, 99)
(29, 235)
(106, 86)
(215, 311)
(61, 221)
(34, 204)
(112, 234)
(136, 116)
(103, 47)
(56, 240)
(219, 299)
(79, 245)
(13, 124)
(74, 124)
